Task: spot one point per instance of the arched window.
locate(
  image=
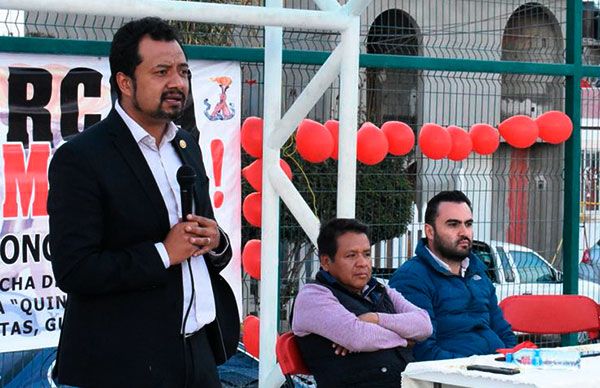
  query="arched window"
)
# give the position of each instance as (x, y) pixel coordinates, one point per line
(392, 94)
(532, 34)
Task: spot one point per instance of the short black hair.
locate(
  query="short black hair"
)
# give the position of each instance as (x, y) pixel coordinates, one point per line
(334, 228)
(455, 196)
(124, 50)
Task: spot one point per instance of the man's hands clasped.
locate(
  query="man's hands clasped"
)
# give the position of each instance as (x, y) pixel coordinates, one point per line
(195, 236)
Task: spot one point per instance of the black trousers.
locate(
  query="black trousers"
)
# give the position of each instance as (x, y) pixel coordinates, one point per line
(200, 366)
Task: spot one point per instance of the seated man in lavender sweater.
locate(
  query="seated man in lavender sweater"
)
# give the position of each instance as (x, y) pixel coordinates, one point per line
(352, 330)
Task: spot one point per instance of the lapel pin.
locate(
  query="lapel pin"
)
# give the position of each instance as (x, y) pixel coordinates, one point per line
(182, 144)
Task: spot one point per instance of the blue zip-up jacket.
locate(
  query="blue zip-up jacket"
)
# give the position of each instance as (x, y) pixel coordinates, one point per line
(464, 311)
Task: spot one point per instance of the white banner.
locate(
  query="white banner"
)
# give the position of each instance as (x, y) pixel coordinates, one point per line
(44, 99)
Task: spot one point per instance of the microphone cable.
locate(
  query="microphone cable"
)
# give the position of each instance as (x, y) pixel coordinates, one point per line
(185, 318)
(186, 177)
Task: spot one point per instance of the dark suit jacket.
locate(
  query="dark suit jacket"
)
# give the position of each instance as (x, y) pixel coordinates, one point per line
(123, 317)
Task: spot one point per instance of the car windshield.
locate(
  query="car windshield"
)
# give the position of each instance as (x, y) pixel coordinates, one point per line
(509, 276)
(532, 269)
(483, 252)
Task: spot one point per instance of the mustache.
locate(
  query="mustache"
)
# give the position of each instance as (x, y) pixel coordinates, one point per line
(172, 93)
(464, 239)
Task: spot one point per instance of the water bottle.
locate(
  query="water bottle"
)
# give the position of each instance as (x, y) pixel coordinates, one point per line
(546, 358)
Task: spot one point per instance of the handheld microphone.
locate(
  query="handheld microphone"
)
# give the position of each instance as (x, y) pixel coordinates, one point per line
(186, 177)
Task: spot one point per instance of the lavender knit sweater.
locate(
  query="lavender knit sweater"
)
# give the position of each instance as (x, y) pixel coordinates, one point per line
(317, 311)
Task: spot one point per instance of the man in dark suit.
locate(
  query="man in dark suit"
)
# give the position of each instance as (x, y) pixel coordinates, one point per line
(146, 304)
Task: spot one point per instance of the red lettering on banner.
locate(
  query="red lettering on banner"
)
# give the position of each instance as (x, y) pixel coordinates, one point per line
(25, 184)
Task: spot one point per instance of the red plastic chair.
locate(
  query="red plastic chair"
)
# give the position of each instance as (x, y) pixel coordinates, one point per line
(289, 357)
(595, 334)
(552, 314)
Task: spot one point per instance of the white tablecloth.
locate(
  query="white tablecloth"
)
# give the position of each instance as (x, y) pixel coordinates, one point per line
(454, 373)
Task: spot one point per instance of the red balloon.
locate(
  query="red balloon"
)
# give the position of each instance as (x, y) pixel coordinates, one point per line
(372, 145)
(461, 143)
(286, 168)
(334, 128)
(400, 136)
(555, 127)
(435, 141)
(519, 131)
(253, 173)
(252, 136)
(313, 141)
(251, 208)
(485, 138)
(251, 337)
(251, 258)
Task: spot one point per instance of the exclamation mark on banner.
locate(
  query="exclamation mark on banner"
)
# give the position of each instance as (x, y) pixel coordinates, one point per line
(216, 151)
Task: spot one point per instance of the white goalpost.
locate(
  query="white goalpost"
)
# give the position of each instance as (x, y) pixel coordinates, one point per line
(342, 62)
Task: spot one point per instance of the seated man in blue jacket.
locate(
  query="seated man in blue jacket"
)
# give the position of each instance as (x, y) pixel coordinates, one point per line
(450, 282)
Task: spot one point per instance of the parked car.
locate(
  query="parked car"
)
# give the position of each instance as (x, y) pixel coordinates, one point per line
(589, 267)
(518, 270)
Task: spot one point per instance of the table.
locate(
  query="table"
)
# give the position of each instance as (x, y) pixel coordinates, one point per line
(453, 373)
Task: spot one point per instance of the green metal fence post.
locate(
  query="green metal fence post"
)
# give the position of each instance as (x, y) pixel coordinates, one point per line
(572, 153)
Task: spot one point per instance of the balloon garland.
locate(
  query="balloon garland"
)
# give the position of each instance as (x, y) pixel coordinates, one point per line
(316, 142)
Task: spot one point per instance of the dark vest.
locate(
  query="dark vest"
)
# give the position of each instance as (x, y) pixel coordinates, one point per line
(380, 369)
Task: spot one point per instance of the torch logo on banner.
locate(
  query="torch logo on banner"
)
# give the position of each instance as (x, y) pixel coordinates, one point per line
(222, 110)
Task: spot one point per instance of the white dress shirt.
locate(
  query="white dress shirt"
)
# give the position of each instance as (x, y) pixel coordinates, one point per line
(164, 163)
